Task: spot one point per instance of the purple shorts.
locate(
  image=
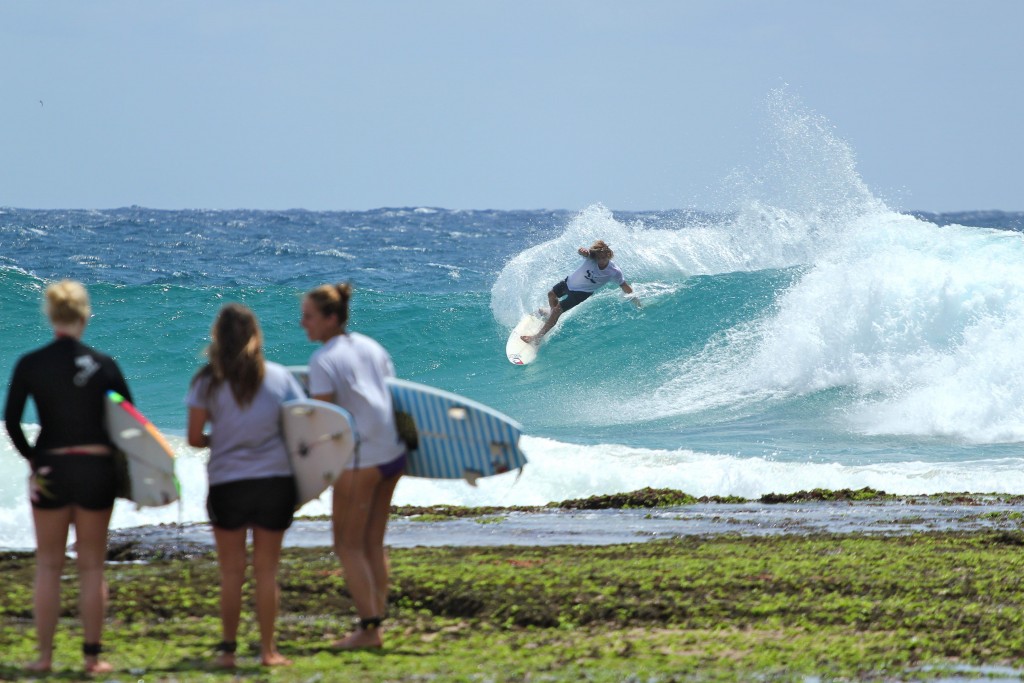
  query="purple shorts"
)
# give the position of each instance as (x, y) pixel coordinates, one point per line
(393, 468)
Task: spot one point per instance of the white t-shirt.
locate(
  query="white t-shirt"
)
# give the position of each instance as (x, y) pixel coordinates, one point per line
(246, 443)
(589, 278)
(352, 367)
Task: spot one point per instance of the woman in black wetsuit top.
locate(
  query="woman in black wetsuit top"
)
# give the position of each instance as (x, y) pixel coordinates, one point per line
(72, 479)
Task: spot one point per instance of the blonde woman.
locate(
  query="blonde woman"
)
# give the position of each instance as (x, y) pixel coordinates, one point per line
(593, 274)
(350, 370)
(72, 478)
(239, 394)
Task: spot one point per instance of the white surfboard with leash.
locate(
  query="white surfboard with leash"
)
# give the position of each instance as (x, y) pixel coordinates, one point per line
(321, 442)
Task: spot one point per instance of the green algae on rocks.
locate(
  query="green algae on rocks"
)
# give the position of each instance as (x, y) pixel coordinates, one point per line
(849, 607)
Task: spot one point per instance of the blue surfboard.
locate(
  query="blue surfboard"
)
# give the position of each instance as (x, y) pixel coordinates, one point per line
(449, 436)
(453, 437)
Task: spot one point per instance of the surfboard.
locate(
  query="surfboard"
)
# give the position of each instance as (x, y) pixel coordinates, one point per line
(453, 437)
(321, 442)
(301, 375)
(448, 436)
(517, 351)
(148, 458)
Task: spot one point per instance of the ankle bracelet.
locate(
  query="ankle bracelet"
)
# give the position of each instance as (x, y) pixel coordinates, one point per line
(370, 623)
(228, 647)
(91, 649)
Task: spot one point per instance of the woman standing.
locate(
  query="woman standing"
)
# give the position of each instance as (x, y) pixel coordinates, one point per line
(72, 479)
(350, 371)
(251, 485)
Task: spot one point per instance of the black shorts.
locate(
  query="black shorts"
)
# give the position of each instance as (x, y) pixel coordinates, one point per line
(268, 503)
(87, 481)
(571, 298)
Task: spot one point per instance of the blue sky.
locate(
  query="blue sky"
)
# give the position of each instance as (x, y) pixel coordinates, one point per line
(639, 104)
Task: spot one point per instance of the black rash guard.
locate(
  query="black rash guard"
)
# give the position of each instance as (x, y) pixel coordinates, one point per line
(68, 382)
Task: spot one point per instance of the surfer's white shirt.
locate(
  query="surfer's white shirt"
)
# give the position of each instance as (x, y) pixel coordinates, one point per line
(353, 368)
(590, 278)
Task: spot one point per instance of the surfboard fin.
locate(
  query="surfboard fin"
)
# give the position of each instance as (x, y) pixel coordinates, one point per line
(471, 476)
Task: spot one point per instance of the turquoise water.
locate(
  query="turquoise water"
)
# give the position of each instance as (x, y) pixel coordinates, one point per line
(803, 335)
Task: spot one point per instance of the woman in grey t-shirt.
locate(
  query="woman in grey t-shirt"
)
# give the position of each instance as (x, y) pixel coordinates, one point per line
(239, 394)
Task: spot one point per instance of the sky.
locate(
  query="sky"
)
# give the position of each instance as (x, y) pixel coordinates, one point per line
(478, 104)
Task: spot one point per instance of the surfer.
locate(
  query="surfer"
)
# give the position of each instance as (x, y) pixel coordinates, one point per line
(597, 271)
(350, 370)
(239, 394)
(72, 480)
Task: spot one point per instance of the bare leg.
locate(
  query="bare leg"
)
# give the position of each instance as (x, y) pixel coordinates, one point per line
(91, 546)
(375, 550)
(353, 502)
(232, 559)
(51, 541)
(556, 311)
(266, 558)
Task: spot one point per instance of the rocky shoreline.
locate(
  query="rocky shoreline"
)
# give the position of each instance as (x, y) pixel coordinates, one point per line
(637, 517)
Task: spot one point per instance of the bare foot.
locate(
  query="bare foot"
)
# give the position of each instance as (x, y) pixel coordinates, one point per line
(94, 665)
(275, 659)
(363, 639)
(40, 666)
(225, 660)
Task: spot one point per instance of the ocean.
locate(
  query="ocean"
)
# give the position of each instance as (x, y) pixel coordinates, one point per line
(802, 334)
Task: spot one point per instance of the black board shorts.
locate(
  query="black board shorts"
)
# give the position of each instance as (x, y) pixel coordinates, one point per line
(87, 481)
(268, 503)
(571, 298)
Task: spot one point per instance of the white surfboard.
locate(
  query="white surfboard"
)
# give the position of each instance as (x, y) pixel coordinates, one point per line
(517, 351)
(149, 459)
(321, 442)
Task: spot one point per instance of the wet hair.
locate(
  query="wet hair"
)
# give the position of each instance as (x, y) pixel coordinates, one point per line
(67, 303)
(235, 353)
(332, 300)
(599, 249)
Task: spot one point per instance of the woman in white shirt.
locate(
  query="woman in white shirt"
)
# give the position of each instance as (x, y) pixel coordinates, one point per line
(350, 370)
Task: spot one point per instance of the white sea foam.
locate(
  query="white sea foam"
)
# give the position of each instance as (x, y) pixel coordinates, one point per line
(561, 471)
(920, 324)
